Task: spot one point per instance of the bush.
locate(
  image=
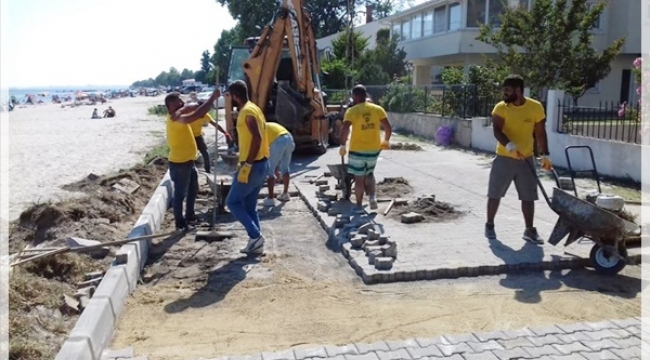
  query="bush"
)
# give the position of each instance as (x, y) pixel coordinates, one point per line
(406, 99)
(373, 74)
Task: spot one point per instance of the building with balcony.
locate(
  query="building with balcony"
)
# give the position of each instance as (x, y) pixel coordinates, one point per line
(441, 33)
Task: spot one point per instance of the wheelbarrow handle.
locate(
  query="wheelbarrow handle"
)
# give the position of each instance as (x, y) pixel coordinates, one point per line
(539, 182)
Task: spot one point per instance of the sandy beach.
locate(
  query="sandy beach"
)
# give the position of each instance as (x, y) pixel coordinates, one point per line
(52, 146)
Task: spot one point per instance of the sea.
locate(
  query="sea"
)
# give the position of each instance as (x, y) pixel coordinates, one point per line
(47, 92)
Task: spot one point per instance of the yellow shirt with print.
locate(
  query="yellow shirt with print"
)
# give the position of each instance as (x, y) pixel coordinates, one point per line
(180, 139)
(197, 126)
(519, 125)
(366, 126)
(274, 131)
(245, 136)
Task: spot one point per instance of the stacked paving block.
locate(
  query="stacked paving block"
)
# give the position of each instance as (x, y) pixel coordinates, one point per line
(379, 248)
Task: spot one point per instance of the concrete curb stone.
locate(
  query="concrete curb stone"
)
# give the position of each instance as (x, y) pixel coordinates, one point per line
(96, 325)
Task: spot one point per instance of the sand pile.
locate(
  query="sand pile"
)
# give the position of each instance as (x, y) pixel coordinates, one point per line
(406, 146)
(429, 208)
(38, 321)
(393, 187)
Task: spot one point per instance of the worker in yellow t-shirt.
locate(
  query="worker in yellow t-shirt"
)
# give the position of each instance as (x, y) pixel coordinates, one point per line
(197, 130)
(253, 166)
(365, 119)
(281, 146)
(514, 120)
(182, 154)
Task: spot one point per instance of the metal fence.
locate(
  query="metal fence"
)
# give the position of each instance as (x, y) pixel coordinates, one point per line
(451, 101)
(607, 121)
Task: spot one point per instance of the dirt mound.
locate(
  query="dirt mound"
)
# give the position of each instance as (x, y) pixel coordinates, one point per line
(431, 209)
(406, 146)
(393, 187)
(38, 323)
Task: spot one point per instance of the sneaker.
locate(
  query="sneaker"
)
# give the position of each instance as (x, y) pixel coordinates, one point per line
(373, 204)
(269, 202)
(254, 247)
(532, 236)
(284, 197)
(489, 231)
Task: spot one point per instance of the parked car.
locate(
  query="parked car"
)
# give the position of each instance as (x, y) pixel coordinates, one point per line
(219, 103)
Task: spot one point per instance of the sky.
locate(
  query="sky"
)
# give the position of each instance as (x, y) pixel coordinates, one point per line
(105, 42)
(100, 42)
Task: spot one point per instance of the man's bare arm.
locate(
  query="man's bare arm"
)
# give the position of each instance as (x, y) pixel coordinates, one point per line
(198, 113)
(256, 142)
(388, 129)
(540, 134)
(344, 133)
(497, 125)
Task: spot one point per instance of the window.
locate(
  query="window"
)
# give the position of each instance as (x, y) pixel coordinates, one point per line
(454, 17)
(439, 20)
(496, 9)
(406, 30)
(596, 25)
(427, 24)
(397, 30)
(416, 30)
(476, 13)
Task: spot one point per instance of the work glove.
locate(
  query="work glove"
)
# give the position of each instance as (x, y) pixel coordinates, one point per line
(342, 151)
(385, 145)
(546, 163)
(243, 173)
(512, 149)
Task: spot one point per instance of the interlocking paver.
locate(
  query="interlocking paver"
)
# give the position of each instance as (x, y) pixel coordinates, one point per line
(541, 331)
(595, 343)
(624, 323)
(572, 328)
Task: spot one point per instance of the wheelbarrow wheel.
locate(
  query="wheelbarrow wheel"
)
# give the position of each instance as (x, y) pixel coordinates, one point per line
(607, 263)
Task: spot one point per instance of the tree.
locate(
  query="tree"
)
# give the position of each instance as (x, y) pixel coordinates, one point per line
(206, 66)
(551, 45)
(221, 57)
(386, 54)
(349, 47)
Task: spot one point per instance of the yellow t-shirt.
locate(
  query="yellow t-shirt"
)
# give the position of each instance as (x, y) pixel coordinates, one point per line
(366, 126)
(182, 146)
(245, 136)
(519, 125)
(274, 131)
(197, 126)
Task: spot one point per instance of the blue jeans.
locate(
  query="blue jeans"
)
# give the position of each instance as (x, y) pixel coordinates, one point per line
(186, 185)
(242, 198)
(281, 150)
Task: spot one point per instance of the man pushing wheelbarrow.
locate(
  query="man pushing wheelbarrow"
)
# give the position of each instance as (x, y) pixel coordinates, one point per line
(365, 119)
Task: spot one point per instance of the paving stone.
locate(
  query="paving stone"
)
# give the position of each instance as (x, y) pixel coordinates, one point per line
(349, 349)
(574, 337)
(366, 356)
(628, 352)
(600, 345)
(566, 349)
(396, 345)
(620, 333)
(601, 325)
(425, 342)
(481, 356)
(572, 328)
(412, 218)
(627, 342)
(568, 357)
(515, 343)
(460, 338)
(249, 357)
(539, 351)
(123, 353)
(376, 346)
(513, 334)
(279, 355)
(400, 354)
(624, 323)
(541, 331)
(509, 354)
(600, 355)
(494, 335)
(310, 353)
(602, 334)
(480, 347)
(424, 352)
(634, 330)
(449, 350)
(544, 340)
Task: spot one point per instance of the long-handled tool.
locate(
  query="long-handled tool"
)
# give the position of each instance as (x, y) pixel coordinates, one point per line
(214, 234)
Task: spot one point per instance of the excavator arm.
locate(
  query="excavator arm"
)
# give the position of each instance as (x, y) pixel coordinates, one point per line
(287, 94)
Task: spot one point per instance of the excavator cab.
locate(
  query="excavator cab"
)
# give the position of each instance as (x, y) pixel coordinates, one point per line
(283, 76)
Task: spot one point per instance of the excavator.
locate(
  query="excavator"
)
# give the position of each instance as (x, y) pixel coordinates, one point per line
(281, 69)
